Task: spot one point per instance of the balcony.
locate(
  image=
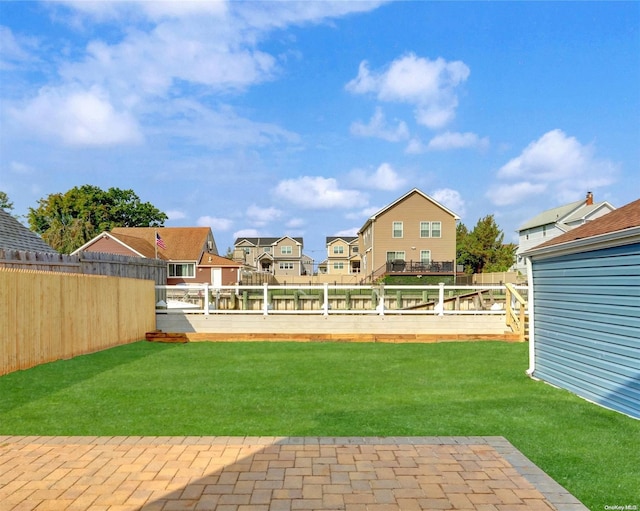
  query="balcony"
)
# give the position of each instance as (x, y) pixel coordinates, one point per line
(400, 266)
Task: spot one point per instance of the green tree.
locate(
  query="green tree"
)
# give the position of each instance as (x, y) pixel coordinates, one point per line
(483, 249)
(68, 220)
(5, 203)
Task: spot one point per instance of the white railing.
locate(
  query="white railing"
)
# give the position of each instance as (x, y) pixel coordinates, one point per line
(332, 299)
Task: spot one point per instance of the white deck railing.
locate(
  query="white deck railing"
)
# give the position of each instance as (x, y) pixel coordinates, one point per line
(326, 299)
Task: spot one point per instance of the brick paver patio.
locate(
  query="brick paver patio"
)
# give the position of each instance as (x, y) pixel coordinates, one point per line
(273, 474)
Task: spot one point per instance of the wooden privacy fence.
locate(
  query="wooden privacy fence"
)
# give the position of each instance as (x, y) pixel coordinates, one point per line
(89, 263)
(46, 316)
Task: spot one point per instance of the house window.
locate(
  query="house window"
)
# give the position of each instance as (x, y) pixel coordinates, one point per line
(267, 250)
(186, 270)
(286, 266)
(354, 250)
(338, 249)
(247, 250)
(425, 256)
(397, 229)
(286, 250)
(430, 229)
(338, 266)
(397, 255)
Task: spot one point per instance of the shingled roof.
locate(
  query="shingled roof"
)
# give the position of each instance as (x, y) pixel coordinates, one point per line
(182, 243)
(626, 217)
(15, 236)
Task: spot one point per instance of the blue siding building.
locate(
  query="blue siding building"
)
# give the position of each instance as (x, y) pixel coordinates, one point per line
(585, 310)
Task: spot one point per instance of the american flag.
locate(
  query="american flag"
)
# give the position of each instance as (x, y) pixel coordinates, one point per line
(160, 241)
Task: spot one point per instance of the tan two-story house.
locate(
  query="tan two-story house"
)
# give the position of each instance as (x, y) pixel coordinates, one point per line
(277, 256)
(415, 234)
(343, 255)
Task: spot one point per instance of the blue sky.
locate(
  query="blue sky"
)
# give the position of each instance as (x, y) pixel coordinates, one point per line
(304, 118)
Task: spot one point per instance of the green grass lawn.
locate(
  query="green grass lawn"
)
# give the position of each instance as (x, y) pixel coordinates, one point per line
(332, 389)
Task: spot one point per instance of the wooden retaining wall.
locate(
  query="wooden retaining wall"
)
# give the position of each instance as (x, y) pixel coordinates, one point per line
(46, 316)
(178, 327)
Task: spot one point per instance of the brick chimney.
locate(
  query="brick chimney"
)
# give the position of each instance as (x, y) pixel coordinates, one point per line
(589, 200)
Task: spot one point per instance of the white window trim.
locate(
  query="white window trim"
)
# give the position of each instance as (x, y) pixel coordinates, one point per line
(393, 229)
(187, 264)
(428, 229)
(439, 230)
(396, 254)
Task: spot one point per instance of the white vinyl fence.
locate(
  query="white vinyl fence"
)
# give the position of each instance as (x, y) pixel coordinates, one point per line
(329, 299)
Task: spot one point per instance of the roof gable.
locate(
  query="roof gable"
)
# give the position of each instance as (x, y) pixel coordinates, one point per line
(400, 199)
(263, 242)
(182, 243)
(139, 247)
(583, 213)
(217, 260)
(568, 213)
(15, 236)
(626, 217)
(346, 239)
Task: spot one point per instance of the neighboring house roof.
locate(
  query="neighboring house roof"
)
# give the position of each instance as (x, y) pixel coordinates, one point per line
(411, 192)
(15, 236)
(346, 239)
(182, 243)
(582, 214)
(551, 216)
(621, 219)
(261, 242)
(562, 216)
(208, 259)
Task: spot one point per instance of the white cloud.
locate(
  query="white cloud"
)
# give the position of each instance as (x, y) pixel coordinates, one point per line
(415, 146)
(295, 223)
(555, 163)
(175, 214)
(216, 223)
(348, 232)
(212, 43)
(14, 51)
(79, 118)
(246, 233)
(220, 128)
(508, 194)
(450, 199)
(383, 178)
(429, 85)
(363, 213)
(153, 10)
(20, 168)
(310, 192)
(452, 140)
(268, 15)
(377, 128)
(262, 216)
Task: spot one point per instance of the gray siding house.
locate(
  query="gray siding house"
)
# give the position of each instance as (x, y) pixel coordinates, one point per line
(585, 310)
(555, 222)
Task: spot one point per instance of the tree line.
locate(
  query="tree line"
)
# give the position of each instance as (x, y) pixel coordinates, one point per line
(66, 221)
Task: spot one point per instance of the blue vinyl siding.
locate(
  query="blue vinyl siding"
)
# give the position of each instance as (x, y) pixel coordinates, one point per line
(587, 325)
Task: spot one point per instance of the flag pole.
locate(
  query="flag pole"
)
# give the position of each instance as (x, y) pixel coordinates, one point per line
(155, 241)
